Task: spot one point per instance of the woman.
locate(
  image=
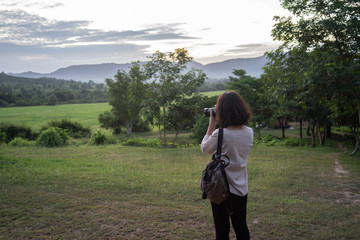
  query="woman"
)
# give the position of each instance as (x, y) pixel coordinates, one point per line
(232, 114)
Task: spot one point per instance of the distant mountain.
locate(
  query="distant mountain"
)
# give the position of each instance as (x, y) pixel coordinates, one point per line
(84, 73)
(98, 72)
(252, 66)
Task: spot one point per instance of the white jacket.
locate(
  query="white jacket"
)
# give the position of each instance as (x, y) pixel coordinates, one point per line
(236, 145)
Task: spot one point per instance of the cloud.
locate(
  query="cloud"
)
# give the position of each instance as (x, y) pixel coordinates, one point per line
(251, 50)
(20, 27)
(170, 31)
(27, 4)
(32, 42)
(53, 5)
(35, 57)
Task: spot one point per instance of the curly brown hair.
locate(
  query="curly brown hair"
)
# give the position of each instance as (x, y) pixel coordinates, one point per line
(232, 110)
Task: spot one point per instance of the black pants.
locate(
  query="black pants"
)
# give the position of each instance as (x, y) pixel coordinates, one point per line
(238, 218)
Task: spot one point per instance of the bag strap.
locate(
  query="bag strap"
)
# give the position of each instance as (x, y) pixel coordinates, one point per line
(219, 143)
(229, 208)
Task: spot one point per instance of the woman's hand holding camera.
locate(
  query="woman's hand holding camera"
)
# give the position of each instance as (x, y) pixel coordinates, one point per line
(212, 123)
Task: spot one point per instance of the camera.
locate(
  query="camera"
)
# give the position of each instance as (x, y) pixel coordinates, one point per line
(207, 111)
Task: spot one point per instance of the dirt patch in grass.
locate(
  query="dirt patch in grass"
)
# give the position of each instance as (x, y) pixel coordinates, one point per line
(349, 189)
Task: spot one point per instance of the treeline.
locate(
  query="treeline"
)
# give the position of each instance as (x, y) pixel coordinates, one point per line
(20, 91)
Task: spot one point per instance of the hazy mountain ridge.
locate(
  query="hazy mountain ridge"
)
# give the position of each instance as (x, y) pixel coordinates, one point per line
(98, 72)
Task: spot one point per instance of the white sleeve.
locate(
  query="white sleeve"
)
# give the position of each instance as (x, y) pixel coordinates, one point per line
(209, 143)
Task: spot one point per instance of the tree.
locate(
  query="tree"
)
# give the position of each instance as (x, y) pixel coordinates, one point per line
(200, 127)
(253, 91)
(332, 28)
(127, 95)
(170, 83)
(183, 113)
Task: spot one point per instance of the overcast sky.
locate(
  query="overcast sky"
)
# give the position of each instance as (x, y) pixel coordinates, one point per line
(42, 36)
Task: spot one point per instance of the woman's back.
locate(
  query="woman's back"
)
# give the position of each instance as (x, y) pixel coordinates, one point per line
(237, 143)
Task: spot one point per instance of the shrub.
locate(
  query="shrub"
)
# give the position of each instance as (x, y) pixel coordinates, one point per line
(108, 120)
(276, 141)
(52, 137)
(110, 139)
(141, 125)
(293, 142)
(74, 129)
(97, 138)
(12, 131)
(2, 137)
(18, 141)
(200, 128)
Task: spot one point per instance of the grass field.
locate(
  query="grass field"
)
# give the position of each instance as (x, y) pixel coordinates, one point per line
(119, 192)
(213, 93)
(38, 116)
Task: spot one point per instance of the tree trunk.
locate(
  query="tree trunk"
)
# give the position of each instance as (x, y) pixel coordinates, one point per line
(357, 147)
(357, 144)
(359, 112)
(283, 131)
(259, 134)
(356, 130)
(328, 130)
(282, 125)
(301, 127)
(322, 135)
(176, 135)
(255, 129)
(159, 125)
(164, 125)
(128, 125)
(313, 137)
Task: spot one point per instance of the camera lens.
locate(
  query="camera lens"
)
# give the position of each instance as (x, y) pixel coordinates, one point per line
(207, 111)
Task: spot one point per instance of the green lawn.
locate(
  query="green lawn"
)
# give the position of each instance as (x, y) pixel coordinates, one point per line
(38, 116)
(119, 192)
(213, 93)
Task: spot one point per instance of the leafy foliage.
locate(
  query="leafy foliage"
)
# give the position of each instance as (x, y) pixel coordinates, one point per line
(2, 137)
(127, 94)
(200, 128)
(98, 138)
(276, 141)
(108, 120)
(73, 128)
(183, 113)
(170, 84)
(318, 67)
(20, 142)
(253, 90)
(11, 131)
(52, 137)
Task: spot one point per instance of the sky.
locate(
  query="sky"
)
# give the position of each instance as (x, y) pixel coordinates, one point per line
(43, 36)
